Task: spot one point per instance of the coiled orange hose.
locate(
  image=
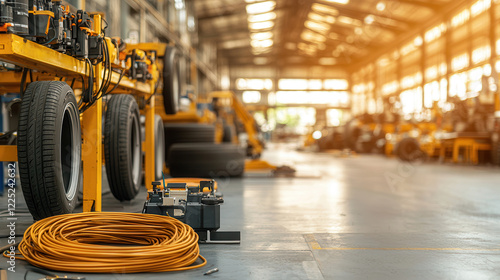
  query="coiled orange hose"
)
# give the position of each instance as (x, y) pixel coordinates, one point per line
(111, 242)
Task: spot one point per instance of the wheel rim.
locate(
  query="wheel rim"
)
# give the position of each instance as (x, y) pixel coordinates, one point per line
(135, 152)
(70, 150)
(160, 149)
(175, 85)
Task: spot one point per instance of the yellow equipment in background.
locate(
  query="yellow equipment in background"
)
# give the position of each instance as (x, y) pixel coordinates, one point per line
(227, 99)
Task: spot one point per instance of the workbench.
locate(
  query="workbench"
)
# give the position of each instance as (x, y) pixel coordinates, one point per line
(470, 142)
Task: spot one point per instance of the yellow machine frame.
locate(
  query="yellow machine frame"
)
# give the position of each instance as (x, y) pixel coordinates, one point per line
(17, 50)
(245, 117)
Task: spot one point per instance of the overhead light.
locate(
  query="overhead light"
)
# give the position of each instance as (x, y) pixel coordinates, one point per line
(369, 19)
(260, 25)
(257, 51)
(290, 46)
(348, 20)
(316, 26)
(317, 135)
(324, 9)
(418, 41)
(321, 18)
(262, 43)
(262, 17)
(260, 60)
(261, 7)
(312, 36)
(358, 30)
(380, 6)
(234, 44)
(261, 35)
(295, 59)
(307, 49)
(343, 2)
(333, 36)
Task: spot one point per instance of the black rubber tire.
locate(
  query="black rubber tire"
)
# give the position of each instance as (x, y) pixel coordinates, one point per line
(187, 133)
(408, 149)
(49, 148)
(122, 146)
(171, 80)
(206, 160)
(495, 153)
(227, 134)
(159, 147)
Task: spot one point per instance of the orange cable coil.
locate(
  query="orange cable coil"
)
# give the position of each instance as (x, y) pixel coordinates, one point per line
(94, 243)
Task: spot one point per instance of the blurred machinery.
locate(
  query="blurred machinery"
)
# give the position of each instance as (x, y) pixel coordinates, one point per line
(230, 110)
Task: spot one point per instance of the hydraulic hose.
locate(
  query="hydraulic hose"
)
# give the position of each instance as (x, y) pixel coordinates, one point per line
(111, 242)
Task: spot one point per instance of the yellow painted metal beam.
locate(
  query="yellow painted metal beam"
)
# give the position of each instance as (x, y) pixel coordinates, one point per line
(8, 152)
(130, 86)
(92, 146)
(158, 47)
(149, 144)
(22, 52)
(92, 157)
(257, 164)
(25, 53)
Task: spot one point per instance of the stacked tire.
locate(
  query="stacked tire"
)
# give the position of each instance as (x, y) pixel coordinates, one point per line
(192, 152)
(49, 148)
(408, 149)
(123, 146)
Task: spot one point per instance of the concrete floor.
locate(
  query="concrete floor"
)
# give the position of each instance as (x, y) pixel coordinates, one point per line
(362, 217)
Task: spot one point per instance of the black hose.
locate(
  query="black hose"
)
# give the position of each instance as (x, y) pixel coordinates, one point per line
(23, 82)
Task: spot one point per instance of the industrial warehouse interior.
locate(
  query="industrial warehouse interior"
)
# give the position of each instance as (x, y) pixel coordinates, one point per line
(249, 139)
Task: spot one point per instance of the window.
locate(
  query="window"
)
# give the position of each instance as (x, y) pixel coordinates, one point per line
(481, 54)
(333, 117)
(434, 33)
(335, 84)
(411, 100)
(460, 18)
(460, 62)
(331, 98)
(251, 97)
(254, 84)
(479, 7)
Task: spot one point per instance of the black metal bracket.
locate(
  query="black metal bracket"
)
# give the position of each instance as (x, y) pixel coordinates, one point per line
(219, 237)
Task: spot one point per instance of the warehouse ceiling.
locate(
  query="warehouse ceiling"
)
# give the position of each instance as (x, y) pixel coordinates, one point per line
(309, 32)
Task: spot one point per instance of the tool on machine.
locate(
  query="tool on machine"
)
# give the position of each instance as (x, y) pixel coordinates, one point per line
(50, 275)
(52, 24)
(193, 203)
(211, 271)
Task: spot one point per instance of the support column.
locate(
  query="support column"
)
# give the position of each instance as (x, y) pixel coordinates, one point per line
(149, 143)
(92, 157)
(91, 122)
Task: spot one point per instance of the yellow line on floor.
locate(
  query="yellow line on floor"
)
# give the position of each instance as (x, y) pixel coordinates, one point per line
(311, 241)
(407, 249)
(314, 245)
